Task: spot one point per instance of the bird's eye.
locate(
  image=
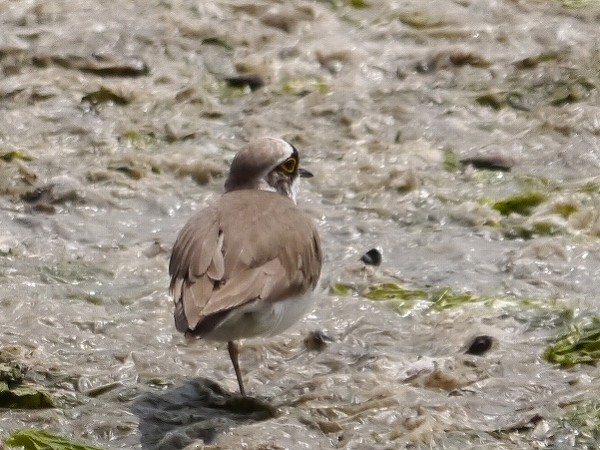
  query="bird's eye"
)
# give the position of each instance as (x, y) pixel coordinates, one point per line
(289, 165)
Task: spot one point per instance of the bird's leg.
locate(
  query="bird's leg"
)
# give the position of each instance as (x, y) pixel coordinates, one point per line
(233, 354)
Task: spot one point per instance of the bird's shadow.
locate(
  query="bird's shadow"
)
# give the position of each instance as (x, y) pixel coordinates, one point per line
(197, 409)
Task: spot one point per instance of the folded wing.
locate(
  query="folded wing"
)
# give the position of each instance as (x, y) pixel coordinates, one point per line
(250, 244)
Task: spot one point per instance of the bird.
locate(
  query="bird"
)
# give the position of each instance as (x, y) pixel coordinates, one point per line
(248, 264)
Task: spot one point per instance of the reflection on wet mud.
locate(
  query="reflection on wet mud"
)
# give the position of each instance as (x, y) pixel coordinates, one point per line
(197, 410)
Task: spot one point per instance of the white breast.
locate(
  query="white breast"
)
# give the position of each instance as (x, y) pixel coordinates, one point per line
(261, 318)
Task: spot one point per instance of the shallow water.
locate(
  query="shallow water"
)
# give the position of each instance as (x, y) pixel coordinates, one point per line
(128, 127)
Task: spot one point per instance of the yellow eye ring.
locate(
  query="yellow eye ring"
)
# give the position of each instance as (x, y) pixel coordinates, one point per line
(289, 165)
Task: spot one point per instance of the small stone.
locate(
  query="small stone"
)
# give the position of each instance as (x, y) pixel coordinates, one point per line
(480, 345)
(101, 65)
(316, 341)
(329, 426)
(490, 162)
(372, 257)
(253, 81)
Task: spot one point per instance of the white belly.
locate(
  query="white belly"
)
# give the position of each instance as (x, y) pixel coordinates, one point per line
(260, 318)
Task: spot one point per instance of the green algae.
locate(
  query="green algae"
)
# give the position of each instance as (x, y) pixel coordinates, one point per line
(533, 61)
(340, 289)
(302, 86)
(10, 376)
(17, 394)
(545, 229)
(71, 272)
(544, 207)
(403, 298)
(520, 204)
(393, 291)
(492, 100)
(537, 183)
(106, 95)
(399, 298)
(417, 19)
(564, 209)
(540, 313)
(447, 298)
(32, 439)
(451, 161)
(138, 139)
(359, 4)
(578, 3)
(580, 345)
(14, 155)
(581, 422)
(591, 187)
(24, 396)
(336, 4)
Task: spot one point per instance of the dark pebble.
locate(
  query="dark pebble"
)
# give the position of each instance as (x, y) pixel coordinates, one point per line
(37, 194)
(101, 65)
(372, 257)
(493, 162)
(253, 81)
(480, 345)
(316, 341)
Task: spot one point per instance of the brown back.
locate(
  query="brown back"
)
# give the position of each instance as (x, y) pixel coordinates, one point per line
(250, 244)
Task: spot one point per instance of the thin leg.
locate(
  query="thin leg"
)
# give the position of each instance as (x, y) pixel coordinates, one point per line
(233, 354)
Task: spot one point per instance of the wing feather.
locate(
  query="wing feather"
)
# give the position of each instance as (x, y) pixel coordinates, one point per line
(250, 244)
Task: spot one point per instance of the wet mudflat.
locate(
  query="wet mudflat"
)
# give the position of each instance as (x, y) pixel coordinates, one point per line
(459, 138)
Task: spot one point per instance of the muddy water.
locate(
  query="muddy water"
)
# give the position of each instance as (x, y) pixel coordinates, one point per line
(120, 126)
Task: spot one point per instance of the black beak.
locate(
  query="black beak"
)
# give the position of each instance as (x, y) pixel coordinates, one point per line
(303, 173)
